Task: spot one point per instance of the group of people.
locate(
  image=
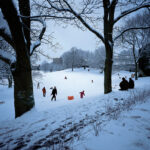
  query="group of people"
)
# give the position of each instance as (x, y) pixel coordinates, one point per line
(53, 93)
(125, 85)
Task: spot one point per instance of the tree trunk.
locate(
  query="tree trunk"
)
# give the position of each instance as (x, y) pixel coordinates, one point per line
(108, 33)
(135, 63)
(136, 71)
(10, 81)
(108, 70)
(72, 67)
(24, 8)
(21, 69)
(23, 91)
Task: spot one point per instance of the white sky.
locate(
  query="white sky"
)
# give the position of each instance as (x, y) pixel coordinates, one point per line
(69, 37)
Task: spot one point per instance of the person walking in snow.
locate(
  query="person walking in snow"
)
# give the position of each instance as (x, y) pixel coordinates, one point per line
(44, 91)
(54, 93)
(38, 85)
(82, 94)
(131, 83)
(124, 85)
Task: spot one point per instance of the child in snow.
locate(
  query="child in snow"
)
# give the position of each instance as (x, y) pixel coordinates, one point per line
(44, 91)
(82, 94)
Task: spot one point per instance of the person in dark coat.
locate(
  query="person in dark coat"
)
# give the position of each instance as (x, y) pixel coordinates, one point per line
(124, 85)
(54, 93)
(38, 85)
(131, 83)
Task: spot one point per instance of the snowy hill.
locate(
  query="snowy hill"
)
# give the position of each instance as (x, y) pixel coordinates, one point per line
(95, 122)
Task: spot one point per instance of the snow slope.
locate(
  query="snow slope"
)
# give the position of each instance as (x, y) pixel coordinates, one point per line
(60, 123)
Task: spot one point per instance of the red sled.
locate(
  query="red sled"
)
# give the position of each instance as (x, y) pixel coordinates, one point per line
(70, 97)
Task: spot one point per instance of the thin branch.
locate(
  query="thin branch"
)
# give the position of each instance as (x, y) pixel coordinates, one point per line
(136, 28)
(43, 54)
(38, 42)
(6, 60)
(56, 8)
(84, 22)
(7, 37)
(48, 16)
(124, 13)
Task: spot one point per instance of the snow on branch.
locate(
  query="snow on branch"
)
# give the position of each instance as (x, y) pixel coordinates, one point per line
(133, 28)
(38, 42)
(48, 16)
(84, 22)
(66, 7)
(6, 57)
(6, 37)
(4, 30)
(124, 13)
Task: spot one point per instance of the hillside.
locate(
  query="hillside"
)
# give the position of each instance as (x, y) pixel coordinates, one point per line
(119, 120)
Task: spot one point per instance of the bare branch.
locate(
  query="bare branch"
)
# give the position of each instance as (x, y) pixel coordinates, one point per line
(84, 22)
(38, 42)
(45, 55)
(48, 17)
(136, 28)
(7, 37)
(6, 60)
(124, 13)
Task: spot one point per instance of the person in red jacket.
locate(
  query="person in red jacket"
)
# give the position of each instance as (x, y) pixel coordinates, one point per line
(82, 94)
(44, 91)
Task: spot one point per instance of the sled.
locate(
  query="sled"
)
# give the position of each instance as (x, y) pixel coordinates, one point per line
(70, 97)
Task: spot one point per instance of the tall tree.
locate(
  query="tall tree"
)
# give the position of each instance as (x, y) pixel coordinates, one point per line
(17, 34)
(136, 38)
(89, 11)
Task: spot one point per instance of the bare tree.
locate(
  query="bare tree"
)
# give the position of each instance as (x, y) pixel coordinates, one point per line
(136, 39)
(89, 13)
(100, 58)
(5, 72)
(16, 32)
(73, 58)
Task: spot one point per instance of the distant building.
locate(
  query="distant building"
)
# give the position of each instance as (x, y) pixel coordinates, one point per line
(35, 67)
(144, 61)
(57, 60)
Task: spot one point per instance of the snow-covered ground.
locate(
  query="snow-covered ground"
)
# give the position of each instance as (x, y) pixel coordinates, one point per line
(81, 123)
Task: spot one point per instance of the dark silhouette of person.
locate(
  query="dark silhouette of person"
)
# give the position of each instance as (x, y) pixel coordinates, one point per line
(38, 85)
(124, 85)
(44, 91)
(54, 93)
(131, 83)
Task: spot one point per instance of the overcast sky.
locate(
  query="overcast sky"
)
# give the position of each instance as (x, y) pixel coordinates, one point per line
(69, 37)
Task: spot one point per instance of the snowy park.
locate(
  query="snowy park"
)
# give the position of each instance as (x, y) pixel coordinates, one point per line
(78, 123)
(75, 75)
